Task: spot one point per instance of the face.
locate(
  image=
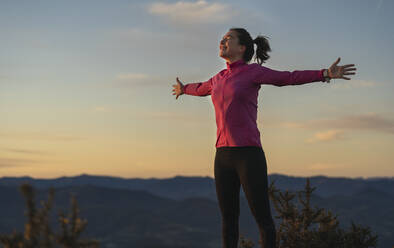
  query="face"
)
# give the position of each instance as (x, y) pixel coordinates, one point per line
(229, 46)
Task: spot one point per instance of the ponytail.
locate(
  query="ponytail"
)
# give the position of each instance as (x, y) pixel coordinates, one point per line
(263, 46)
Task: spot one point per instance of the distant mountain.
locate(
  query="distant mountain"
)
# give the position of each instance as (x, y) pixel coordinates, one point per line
(183, 211)
(181, 187)
(129, 218)
(332, 186)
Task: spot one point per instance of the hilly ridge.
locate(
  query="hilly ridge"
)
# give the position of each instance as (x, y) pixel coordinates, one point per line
(124, 213)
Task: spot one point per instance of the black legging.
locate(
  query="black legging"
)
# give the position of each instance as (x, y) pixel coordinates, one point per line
(246, 166)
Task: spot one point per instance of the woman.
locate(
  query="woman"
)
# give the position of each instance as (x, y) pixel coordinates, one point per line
(240, 159)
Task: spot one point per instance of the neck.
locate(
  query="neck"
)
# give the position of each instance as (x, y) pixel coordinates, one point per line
(231, 60)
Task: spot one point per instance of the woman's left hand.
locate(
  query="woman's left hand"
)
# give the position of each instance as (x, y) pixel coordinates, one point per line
(339, 71)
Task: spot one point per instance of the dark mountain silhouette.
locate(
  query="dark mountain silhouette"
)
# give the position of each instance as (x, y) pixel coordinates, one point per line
(138, 212)
(181, 187)
(125, 218)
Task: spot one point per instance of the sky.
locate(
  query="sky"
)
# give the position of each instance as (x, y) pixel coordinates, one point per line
(86, 86)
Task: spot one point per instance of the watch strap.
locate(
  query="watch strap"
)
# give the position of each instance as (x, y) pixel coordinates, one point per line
(326, 76)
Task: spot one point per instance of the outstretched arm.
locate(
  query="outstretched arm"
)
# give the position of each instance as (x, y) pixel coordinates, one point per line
(266, 75)
(194, 89)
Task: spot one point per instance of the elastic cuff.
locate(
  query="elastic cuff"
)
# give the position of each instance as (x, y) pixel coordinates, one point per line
(322, 76)
(184, 89)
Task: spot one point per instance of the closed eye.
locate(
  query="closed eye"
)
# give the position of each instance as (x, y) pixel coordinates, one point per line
(225, 38)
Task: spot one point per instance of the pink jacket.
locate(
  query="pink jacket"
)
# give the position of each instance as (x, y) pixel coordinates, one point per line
(234, 93)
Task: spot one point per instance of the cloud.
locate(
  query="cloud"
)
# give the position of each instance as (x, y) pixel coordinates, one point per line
(199, 12)
(368, 121)
(353, 84)
(325, 136)
(24, 151)
(203, 19)
(38, 136)
(13, 162)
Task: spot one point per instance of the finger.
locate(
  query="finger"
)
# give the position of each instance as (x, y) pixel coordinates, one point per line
(350, 69)
(336, 62)
(178, 80)
(348, 65)
(346, 78)
(349, 73)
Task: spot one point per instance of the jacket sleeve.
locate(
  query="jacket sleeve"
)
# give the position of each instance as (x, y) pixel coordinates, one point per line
(198, 89)
(266, 75)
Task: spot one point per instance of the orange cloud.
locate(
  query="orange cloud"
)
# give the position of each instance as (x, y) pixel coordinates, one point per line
(39, 136)
(24, 151)
(368, 121)
(325, 136)
(12, 162)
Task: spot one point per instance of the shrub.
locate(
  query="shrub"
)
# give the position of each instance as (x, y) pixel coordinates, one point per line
(38, 233)
(312, 227)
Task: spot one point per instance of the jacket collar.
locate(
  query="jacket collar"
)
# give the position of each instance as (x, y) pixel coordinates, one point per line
(235, 64)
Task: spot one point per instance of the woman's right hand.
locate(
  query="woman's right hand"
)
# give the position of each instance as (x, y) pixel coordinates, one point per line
(178, 88)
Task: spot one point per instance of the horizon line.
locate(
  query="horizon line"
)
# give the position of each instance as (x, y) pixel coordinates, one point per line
(188, 176)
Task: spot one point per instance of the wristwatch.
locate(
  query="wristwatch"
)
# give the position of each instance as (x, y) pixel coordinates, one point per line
(326, 76)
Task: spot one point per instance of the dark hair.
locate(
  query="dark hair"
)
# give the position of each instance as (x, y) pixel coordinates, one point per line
(262, 45)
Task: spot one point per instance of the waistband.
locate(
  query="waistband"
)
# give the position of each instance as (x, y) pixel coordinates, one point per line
(239, 148)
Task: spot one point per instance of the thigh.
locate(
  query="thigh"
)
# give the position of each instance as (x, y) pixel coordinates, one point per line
(227, 183)
(254, 181)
